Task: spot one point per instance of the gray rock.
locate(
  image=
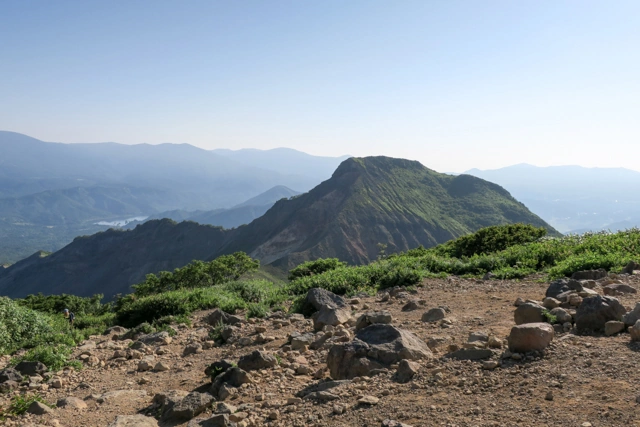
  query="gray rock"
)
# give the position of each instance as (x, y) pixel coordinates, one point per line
(595, 311)
(411, 306)
(185, 408)
(257, 360)
(229, 333)
(71, 402)
(217, 368)
(557, 287)
(633, 316)
(471, 354)
(478, 337)
(330, 316)
(530, 337)
(619, 289)
(233, 377)
(31, 368)
(8, 386)
(193, 348)
(134, 421)
(529, 313)
(374, 347)
(161, 337)
(373, 317)
(38, 408)
(406, 370)
(589, 274)
(562, 315)
(318, 299)
(118, 330)
(434, 315)
(298, 341)
(10, 374)
(550, 303)
(613, 327)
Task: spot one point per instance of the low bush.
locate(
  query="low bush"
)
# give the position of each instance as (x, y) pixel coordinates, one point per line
(20, 324)
(54, 357)
(311, 268)
(176, 303)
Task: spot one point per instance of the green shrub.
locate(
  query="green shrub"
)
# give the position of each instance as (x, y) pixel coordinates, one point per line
(20, 404)
(19, 324)
(491, 239)
(311, 268)
(198, 274)
(176, 303)
(54, 304)
(257, 310)
(54, 357)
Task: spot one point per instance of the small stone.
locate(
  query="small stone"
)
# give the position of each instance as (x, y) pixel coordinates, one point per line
(368, 400)
(490, 365)
(274, 415)
(161, 367)
(38, 408)
(612, 327)
(549, 395)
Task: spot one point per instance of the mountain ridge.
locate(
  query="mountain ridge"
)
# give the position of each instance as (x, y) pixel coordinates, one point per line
(367, 201)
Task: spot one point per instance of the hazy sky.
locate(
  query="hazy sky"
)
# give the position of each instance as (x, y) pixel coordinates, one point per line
(453, 84)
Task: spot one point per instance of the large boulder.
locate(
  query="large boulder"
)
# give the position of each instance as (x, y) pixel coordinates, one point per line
(528, 313)
(590, 274)
(233, 377)
(319, 298)
(10, 374)
(374, 347)
(434, 314)
(219, 317)
(556, 288)
(330, 309)
(180, 406)
(530, 337)
(31, 368)
(257, 360)
(595, 311)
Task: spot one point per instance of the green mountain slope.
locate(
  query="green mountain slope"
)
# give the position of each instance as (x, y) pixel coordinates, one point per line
(367, 201)
(373, 200)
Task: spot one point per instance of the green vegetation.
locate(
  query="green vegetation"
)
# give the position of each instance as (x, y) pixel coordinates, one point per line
(20, 403)
(550, 318)
(229, 283)
(311, 268)
(509, 252)
(198, 274)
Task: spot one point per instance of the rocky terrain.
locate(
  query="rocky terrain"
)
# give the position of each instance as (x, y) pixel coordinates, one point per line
(447, 353)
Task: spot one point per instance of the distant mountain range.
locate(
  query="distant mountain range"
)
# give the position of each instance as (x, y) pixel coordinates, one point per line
(52, 192)
(240, 214)
(573, 198)
(367, 201)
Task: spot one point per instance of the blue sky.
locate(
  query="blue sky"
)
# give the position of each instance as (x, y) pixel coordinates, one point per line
(453, 84)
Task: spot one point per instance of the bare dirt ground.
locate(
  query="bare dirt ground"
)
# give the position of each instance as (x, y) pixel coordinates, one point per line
(582, 380)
